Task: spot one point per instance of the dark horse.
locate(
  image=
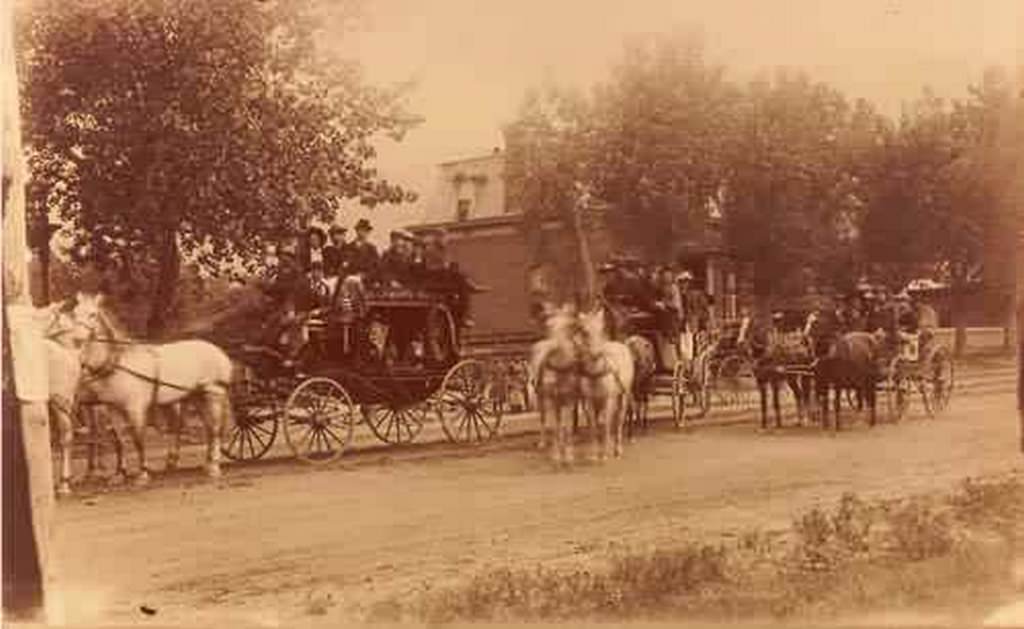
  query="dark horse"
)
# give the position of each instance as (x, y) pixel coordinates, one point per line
(850, 364)
(776, 363)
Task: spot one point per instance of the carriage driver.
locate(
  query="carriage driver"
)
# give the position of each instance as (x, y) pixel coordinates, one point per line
(688, 317)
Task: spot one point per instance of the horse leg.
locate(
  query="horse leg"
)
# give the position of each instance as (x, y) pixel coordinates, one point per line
(137, 427)
(871, 395)
(215, 412)
(569, 436)
(762, 389)
(611, 410)
(65, 436)
(558, 441)
(175, 421)
(542, 411)
(776, 402)
(836, 403)
(619, 419)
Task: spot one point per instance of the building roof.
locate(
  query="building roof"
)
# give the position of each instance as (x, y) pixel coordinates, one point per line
(476, 158)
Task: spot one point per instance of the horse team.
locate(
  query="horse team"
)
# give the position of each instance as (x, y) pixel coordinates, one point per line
(578, 366)
(91, 359)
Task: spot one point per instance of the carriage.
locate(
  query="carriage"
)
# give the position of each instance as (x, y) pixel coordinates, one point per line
(685, 383)
(392, 364)
(921, 363)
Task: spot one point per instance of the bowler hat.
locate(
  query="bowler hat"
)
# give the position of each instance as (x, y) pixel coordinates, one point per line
(363, 225)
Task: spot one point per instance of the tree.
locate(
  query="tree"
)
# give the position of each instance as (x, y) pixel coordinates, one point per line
(663, 125)
(936, 199)
(646, 146)
(163, 129)
(791, 190)
(547, 163)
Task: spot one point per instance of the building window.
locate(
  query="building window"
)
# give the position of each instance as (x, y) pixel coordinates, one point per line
(462, 209)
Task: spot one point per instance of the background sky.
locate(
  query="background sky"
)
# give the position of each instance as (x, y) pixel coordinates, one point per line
(473, 60)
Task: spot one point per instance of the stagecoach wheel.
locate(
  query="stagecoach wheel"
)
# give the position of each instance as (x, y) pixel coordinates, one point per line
(318, 420)
(395, 424)
(897, 392)
(937, 382)
(467, 414)
(256, 409)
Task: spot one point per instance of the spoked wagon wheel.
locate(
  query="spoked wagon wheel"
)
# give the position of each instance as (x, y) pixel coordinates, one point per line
(318, 419)
(897, 391)
(937, 381)
(463, 404)
(256, 409)
(395, 424)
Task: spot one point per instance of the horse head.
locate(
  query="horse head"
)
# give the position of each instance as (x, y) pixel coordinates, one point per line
(97, 333)
(593, 330)
(60, 326)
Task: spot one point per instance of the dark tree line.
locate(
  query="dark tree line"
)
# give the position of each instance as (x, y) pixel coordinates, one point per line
(813, 187)
(169, 130)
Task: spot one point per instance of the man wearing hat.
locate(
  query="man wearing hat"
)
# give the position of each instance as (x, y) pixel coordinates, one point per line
(363, 257)
(336, 252)
(396, 262)
(689, 318)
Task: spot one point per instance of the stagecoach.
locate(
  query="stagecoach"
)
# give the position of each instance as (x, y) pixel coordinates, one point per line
(391, 364)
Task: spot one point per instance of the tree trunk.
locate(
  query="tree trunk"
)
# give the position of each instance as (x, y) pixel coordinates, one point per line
(586, 260)
(168, 274)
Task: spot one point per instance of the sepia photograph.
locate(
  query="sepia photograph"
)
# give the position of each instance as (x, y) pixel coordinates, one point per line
(325, 313)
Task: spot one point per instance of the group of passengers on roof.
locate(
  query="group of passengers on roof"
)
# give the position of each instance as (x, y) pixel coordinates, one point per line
(317, 271)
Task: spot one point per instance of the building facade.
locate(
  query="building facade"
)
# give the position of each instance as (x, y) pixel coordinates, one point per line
(486, 237)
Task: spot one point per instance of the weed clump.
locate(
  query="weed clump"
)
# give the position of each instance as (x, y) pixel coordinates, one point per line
(857, 554)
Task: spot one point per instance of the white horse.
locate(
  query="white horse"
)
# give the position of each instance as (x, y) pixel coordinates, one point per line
(607, 376)
(554, 375)
(62, 340)
(136, 378)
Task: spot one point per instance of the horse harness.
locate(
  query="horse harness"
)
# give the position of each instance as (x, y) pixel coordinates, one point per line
(112, 365)
(578, 368)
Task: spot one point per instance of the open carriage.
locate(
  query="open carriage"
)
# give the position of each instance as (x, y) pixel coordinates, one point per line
(918, 362)
(390, 362)
(685, 382)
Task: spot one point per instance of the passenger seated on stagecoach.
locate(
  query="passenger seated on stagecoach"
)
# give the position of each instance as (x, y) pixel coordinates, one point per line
(313, 251)
(442, 276)
(417, 262)
(320, 288)
(667, 307)
(363, 257)
(396, 262)
(336, 253)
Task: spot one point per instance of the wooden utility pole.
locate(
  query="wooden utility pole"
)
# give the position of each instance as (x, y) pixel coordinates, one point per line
(27, 464)
(1014, 127)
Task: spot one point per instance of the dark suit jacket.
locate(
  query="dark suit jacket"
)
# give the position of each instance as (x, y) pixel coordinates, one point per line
(363, 258)
(336, 260)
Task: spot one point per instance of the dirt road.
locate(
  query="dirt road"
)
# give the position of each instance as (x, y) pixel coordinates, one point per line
(270, 544)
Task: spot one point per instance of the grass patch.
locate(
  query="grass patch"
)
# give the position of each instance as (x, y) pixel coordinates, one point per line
(855, 556)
